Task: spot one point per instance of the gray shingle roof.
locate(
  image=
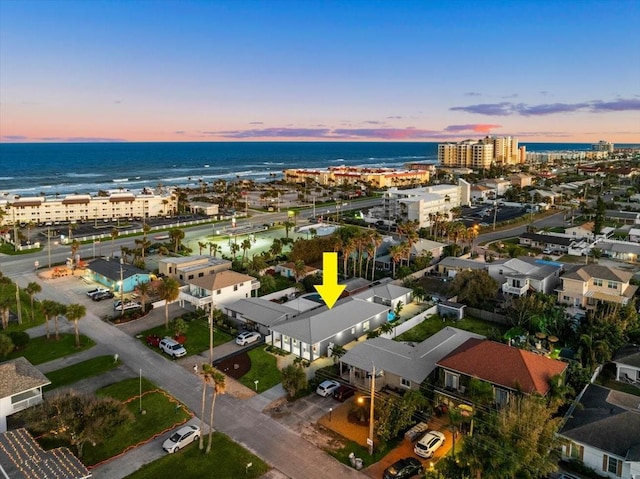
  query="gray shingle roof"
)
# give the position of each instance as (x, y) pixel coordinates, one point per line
(387, 291)
(311, 327)
(19, 375)
(602, 423)
(453, 262)
(590, 271)
(23, 458)
(402, 359)
(547, 239)
(262, 311)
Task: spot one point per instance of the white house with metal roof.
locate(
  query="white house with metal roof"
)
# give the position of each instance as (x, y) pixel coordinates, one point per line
(403, 365)
(21, 386)
(312, 334)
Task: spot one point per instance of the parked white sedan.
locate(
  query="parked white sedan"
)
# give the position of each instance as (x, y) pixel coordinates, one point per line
(247, 337)
(327, 387)
(181, 438)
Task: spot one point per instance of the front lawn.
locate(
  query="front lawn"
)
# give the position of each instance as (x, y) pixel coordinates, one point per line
(433, 324)
(227, 460)
(264, 368)
(197, 336)
(86, 369)
(162, 414)
(41, 350)
(381, 450)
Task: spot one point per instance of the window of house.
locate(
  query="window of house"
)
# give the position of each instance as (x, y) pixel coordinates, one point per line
(295, 342)
(576, 451)
(501, 396)
(451, 381)
(611, 464)
(219, 291)
(612, 285)
(516, 283)
(180, 276)
(190, 276)
(405, 383)
(365, 325)
(597, 282)
(285, 339)
(200, 275)
(566, 298)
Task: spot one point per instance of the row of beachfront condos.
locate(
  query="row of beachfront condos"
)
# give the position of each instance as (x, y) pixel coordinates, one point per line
(40, 210)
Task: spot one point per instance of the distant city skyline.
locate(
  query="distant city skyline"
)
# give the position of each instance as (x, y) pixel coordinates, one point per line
(279, 70)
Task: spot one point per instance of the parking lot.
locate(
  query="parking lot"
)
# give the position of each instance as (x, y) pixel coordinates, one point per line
(484, 214)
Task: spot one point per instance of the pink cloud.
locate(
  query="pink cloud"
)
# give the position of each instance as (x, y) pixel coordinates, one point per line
(475, 127)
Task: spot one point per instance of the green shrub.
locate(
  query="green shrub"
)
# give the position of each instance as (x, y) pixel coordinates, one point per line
(19, 338)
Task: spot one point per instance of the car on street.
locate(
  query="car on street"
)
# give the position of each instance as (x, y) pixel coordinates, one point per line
(404, 468)
(181, 438)
(343, 392)
(172, 347)
(248, 337)
(96, 291)
(326, 388)
(127, 305)
(429, 444)
(102, 295)
(547, 251)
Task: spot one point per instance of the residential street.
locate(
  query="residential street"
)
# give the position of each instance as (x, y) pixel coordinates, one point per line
(282, 448)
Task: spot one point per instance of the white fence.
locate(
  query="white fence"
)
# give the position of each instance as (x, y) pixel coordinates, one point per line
(410, 323)
(289, 293)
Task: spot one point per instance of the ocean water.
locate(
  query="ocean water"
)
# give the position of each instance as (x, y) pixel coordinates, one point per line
(63, 168)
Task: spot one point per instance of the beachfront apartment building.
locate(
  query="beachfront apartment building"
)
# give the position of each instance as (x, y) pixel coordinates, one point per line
(421, 204)
(480, 154)
(107, 206)
(353, 175)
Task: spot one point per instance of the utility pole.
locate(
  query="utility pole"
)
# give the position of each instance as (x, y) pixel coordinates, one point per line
(495, 214)
(371, 415)
(49, 245)
(121, 289)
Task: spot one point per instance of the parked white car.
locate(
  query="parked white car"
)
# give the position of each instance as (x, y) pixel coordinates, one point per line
(181, 438)
(248, 337)
(128, 305)
(327, 387)
(172, 347)
(96, 291)
(429, 444)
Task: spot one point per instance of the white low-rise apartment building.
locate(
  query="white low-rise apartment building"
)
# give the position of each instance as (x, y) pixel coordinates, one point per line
(116, 204)
(420, 204)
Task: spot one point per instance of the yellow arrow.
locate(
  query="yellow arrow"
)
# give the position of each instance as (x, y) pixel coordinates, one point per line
(330, 290)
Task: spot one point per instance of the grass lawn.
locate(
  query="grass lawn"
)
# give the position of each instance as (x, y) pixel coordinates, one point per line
(568, 258)
(8, 294)
(379, 452)
(161, 415)
(433, 324)
(197, 336)
(227, 460)
(41, 350)
(263, 368)
(83, 370)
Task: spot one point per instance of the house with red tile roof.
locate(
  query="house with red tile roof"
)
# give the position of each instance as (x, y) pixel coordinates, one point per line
(507, 369)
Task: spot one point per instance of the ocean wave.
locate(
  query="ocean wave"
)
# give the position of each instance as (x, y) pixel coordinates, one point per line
(273, 163)
(7, 178)
(83, 175)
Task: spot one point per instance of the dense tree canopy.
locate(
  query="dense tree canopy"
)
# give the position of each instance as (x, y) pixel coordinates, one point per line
(474, 288)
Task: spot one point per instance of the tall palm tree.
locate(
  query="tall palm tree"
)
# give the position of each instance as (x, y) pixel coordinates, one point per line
(347, 249)
(76, 312)
(299, 268)
(235, 248)
(48, 309)
(217, 380)
(176, 235)
(376, 241)
(168, 290)
(287, 226)
(246, 246)
(396, 253)
(201, 245)
(32, 289)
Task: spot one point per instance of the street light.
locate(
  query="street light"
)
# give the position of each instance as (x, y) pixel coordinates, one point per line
(121, 289)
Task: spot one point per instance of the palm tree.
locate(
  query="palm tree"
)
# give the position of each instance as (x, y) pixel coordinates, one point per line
(144, 289)
(60, 310)
(287, 226)
(235, 248)
(257, 264)
(48, 308)
(246, 246)
(276, 247)
(168, 290)
(76, 312)
(217, 379)
(299, 268)
(396, 253)
(214, 249)
(176, 235)
(201, 245)
(114, 234)
(593, 352)
(376, 241)
(347, 249)
(32, 289)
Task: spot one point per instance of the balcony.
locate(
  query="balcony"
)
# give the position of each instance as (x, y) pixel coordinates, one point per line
(517, 291)
(34, 397)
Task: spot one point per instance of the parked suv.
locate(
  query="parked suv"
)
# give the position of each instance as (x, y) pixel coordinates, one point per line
(96, 291)
(102, 295)
(429, 444)
(172, 347)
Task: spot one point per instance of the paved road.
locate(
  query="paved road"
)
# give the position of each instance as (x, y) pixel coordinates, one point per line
(282, 448)
(546, 222)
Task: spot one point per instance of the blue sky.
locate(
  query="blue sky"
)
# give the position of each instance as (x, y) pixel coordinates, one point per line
(336, 70)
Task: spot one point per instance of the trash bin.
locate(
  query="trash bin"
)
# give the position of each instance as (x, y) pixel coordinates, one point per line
(359, 464)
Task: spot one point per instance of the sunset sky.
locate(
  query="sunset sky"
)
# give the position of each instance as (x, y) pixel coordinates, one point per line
(244, 70)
